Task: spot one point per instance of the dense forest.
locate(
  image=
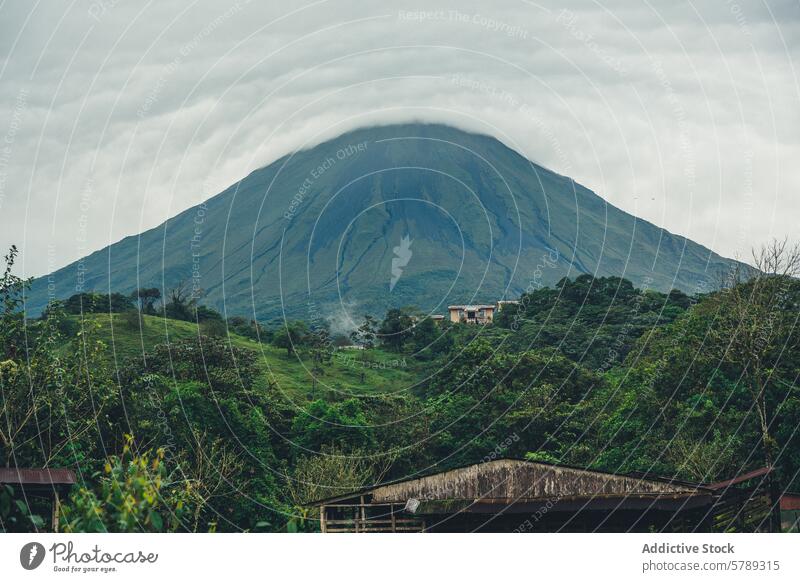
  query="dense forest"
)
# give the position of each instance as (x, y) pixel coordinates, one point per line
(176, 419)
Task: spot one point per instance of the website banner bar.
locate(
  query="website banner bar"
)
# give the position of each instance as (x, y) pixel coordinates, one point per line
(399, 557)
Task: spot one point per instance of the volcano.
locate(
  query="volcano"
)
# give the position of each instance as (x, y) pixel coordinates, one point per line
(413, 214)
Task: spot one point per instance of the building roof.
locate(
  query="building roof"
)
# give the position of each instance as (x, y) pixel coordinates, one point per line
(38, 477)
(517, 481)
(762, 472)
(790, 501)
(511, 480)
(470, 307)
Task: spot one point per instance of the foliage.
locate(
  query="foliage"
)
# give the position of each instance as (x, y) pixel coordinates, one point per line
(529, 400)
(146, 297)
(98, 303)
(754, 331)
(249, 328)
(16, 513)
(593, 321)
(133, 320)
(365, 334)
(183, 305)
(213, 327)
(342, 424)
(133, 493)
(53, 405)
(395, 329)
(200, 400)
(321, 344)
(592, 372)
(291, 336)
(331, 472)
(12, 321)
(429, 339)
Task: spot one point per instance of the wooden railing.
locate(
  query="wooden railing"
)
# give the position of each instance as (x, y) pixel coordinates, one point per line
(363, 519)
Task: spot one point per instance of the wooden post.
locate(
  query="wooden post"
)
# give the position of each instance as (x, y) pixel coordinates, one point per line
(394, 520)
(774, 496)
(56, 504)
(363, 515)
(322, 519)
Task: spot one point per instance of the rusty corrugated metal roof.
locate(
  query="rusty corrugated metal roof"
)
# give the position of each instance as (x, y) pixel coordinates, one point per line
(19, 476)
(740, 478)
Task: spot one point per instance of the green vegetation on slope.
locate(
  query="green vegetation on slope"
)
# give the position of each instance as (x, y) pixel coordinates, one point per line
(350, 371)
(592, 372)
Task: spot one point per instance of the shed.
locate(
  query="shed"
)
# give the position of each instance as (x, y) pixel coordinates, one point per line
(51, 484)
(514, 495)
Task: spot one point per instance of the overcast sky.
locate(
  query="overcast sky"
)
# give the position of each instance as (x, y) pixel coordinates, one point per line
(116, 115)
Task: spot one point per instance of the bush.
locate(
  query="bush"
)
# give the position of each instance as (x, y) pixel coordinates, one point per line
(16, 515)
(213, 328)
(249, 329)
(194, 359)
(135, 493)
(98, 303)
(291, 336)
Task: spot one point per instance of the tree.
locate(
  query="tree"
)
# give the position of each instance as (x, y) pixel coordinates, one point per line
(52, 391)
(291, 336)
(484, 397)
(147, 297)
(183, 305)
(12, 318)
(321, 345)
(591, 320)
(342, 424)
(204, 313)
(133, 320)
(249, 328)
(180, 305)
(431, 339)
(395, 329)
(364, 335)
(755, 326)
(52, 402)
(204, 402)
(341, 341)
(98, 303)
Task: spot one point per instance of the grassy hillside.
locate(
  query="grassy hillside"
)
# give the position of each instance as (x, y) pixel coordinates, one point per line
(348, 372)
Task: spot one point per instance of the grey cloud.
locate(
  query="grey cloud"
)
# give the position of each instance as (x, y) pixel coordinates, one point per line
(685, 114)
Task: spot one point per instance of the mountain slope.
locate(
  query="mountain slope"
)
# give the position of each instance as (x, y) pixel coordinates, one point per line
(318, 234)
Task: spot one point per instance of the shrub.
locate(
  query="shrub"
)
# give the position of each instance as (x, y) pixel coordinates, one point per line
(135, 493)
(213, 328)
